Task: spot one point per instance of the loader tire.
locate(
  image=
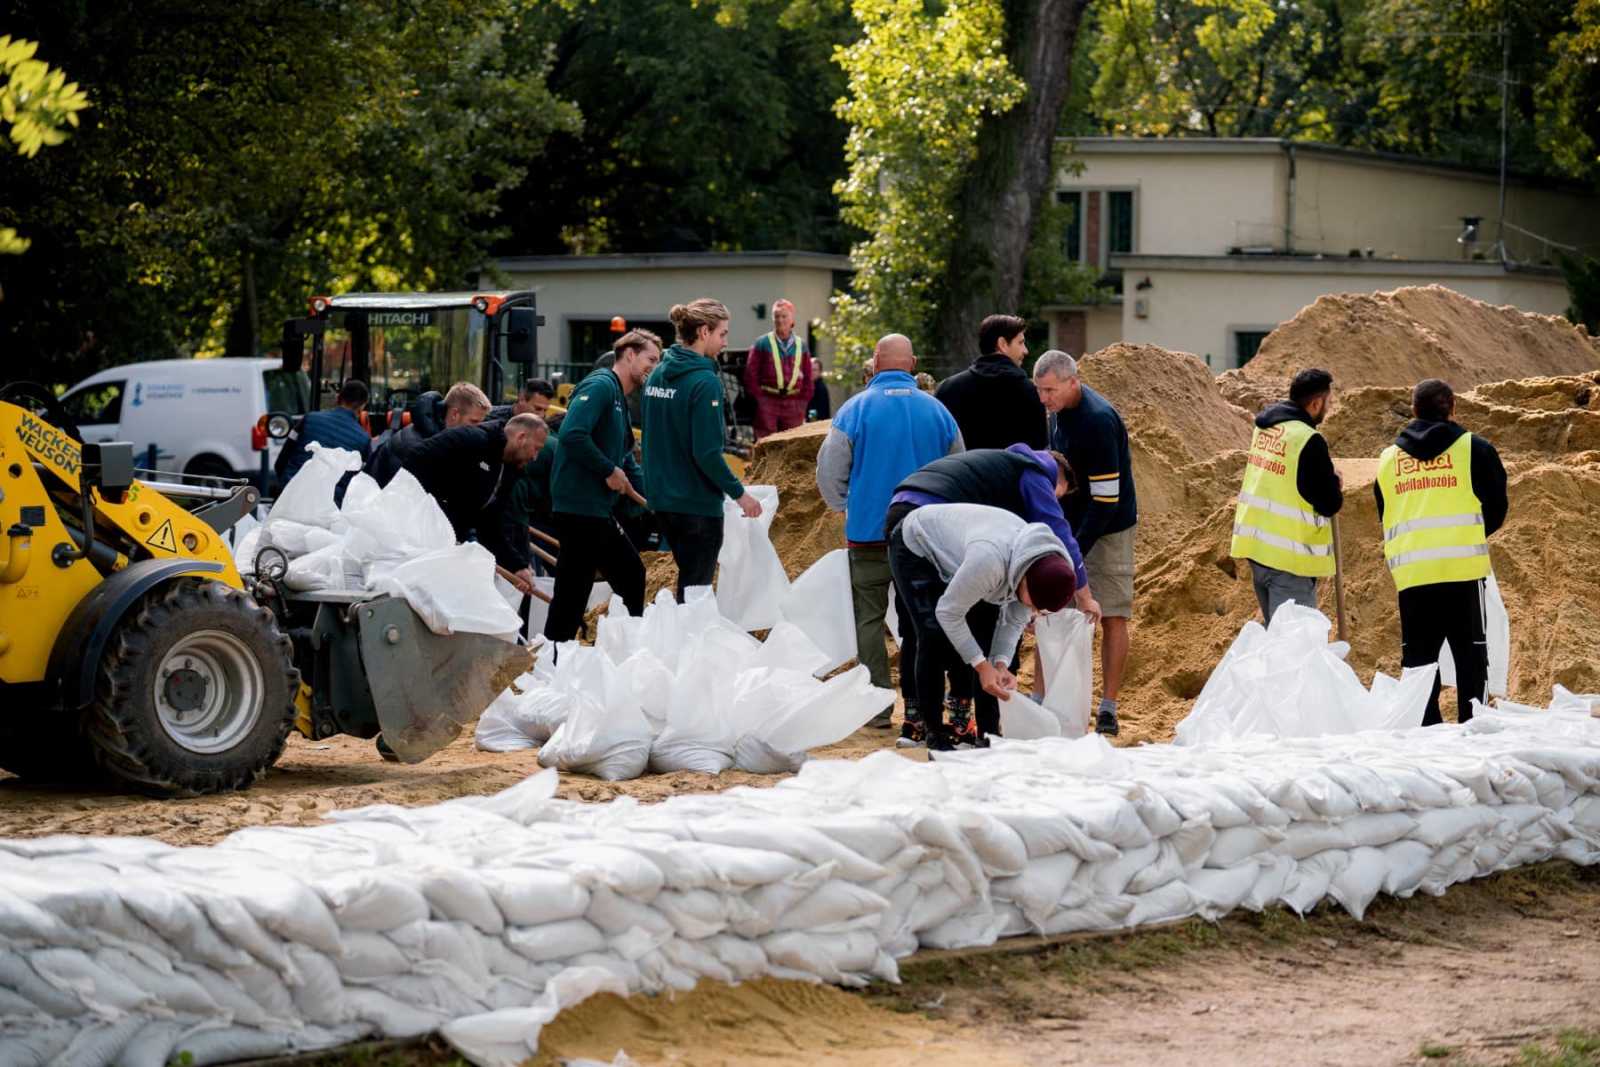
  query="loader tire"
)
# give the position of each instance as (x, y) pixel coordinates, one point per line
(195, 692)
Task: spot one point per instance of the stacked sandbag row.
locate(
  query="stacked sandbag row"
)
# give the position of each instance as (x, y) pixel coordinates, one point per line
(681, 688)
(483, 917)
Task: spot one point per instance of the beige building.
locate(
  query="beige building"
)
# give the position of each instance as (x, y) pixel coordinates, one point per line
(1212, 242)
(579, 295)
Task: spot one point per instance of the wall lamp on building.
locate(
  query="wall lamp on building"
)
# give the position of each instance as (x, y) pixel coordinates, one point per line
(1469, 234)
(760, 310)
(1146, 284)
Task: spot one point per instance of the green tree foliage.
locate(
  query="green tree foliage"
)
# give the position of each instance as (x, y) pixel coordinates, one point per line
(38, 104)
(921, 84)
(245, 155)
(1583, 286)
(704, 127)
(1412, 76)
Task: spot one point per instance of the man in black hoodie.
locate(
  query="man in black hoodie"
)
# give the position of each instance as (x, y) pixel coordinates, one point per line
(464, 405)
(1441, 493)
(1290, 494)
(993, 401)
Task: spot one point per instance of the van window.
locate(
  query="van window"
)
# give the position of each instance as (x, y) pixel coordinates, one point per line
(288, 390)
(95, 404)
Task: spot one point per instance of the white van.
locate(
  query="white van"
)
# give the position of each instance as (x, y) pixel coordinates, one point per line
(198, 413)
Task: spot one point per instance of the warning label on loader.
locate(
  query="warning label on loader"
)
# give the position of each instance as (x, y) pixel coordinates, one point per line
(163, 538)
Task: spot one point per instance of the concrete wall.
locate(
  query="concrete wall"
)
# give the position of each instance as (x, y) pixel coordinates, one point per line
(1411, 213)
(647, 292)
(1192, 203)
(1197, 310)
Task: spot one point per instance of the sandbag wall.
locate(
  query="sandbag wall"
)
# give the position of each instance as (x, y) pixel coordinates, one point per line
(485, 916)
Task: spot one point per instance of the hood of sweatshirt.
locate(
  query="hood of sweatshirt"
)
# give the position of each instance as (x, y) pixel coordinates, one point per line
(1030, 543)
(1041, 458)
(678, 363)
(1281, 412)
(994, 365)
(1427, 439)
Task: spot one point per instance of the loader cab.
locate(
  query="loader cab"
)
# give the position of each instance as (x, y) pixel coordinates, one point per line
(405, 344)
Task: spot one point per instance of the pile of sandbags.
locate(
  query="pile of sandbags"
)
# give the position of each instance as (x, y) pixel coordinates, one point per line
(392, 540)
(483, 917)
(681, 688)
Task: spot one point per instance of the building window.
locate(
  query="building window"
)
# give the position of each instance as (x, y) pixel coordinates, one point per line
(1119, 231)
(1246, 343)
(1072, 240)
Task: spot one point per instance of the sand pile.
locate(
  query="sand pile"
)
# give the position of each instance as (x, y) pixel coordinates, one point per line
(1188, 442)
(805, 530)
(1400, 337)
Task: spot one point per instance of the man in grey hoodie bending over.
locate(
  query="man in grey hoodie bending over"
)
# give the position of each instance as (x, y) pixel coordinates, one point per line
(947, 558)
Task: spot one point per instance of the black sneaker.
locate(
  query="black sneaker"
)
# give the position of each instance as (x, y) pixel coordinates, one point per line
(912, 735)
(1106, 723)
(941, 740)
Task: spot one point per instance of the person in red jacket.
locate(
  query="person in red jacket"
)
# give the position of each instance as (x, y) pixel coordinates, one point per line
(779, 374)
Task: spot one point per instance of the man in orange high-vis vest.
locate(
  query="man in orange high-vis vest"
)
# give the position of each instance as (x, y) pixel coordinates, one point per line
(1441, 492)
(779, 374)
(1284, 520)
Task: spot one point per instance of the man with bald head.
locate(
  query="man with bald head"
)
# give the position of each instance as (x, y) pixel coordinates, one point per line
(879, 436)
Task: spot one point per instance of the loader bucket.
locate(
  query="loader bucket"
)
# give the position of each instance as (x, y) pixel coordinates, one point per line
(425, 686)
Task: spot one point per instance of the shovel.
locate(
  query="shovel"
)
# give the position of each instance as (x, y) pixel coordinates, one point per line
(1338, 583)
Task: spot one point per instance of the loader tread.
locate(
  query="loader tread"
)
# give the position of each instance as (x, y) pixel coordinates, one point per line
(121, 724)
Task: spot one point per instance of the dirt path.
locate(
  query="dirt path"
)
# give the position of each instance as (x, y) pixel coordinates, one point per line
(314, 777)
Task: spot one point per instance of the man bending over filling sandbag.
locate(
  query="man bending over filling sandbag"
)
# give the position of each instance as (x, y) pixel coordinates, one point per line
(947, 559)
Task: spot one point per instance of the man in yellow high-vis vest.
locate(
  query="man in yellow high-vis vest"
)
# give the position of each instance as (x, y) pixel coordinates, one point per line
(1441, 492)
(779, 374)
(1283, 524)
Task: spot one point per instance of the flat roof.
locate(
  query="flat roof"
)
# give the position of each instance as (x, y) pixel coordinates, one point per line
(674, 260)
(1280, 145)
(1268, 264)
(379, 301)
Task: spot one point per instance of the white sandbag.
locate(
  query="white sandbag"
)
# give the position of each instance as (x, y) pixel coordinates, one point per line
(324, 569)
(1497, 631)
(1065, 640)
(308, 498)
(511, 1037)
(453, 591)
(819, 603)
(1023, 720)
(605, 733)
(397, 522)
(751, 581)
(829, 713)
(522, 720)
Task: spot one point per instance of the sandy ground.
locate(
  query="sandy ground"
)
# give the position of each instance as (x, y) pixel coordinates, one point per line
(314, 777)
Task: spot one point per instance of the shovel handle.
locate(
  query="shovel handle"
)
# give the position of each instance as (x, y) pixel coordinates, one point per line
(542, 554)
(1338, 583)
(515, 581)
(633, 495)
(546, 538)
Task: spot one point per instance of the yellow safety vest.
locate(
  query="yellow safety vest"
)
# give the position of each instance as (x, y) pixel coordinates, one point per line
(793, 386)
(1432, 520)
(1273, 524)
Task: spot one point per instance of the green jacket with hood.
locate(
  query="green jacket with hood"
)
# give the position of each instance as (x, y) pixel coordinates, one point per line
(596, 438)
(684, 471)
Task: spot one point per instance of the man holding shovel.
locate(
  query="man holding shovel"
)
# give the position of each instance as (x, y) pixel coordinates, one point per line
(1284, 521)
(593, 464)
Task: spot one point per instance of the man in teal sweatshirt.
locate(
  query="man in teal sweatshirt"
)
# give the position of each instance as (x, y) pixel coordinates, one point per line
(593, 464)
(685, 475)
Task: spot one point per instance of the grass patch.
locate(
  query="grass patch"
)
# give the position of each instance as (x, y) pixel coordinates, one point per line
(1435, 1052)
(1573, 1048)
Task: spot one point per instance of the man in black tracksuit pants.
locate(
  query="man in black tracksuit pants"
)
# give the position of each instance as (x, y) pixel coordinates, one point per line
(1433, 612)
(593, 465)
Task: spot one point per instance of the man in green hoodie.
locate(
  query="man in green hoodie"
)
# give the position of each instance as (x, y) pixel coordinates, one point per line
(592, 466)
(684, 473)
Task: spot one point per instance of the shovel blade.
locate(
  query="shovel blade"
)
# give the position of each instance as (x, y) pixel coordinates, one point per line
(428, 687)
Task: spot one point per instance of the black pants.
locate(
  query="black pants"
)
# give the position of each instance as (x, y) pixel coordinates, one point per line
(1430, 615)
(963, 679)
(983, 618)
(588, 544)
(695, 541)
(925, 650)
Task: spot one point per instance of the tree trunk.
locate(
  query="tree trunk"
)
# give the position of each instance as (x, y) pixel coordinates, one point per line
(244, 329)
(999, 201)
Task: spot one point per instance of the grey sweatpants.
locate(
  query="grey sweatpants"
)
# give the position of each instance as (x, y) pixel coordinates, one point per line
(1274, 588)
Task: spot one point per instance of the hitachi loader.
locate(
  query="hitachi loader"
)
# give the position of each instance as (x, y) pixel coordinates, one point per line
(132, 651)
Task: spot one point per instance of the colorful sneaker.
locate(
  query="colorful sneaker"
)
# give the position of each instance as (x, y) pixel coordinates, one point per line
(940, 739)
(964, 731)
(912, 734)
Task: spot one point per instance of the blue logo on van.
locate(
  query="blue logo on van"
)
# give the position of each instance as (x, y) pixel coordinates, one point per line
(138, 387)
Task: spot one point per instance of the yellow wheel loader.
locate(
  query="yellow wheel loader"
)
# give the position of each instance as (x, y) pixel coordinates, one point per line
(132, 650)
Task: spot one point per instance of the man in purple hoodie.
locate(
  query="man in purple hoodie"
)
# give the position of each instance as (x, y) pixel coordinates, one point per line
(1027, 482)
